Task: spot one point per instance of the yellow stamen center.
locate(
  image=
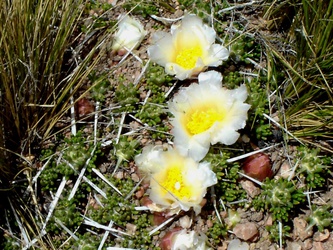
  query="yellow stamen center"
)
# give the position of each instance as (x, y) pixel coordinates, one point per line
(201, 120)
(187, 58)
(174, 183)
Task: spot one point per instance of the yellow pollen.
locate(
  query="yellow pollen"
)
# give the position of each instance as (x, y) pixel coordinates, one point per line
(202, 120)
(174, 183)
(187, 58)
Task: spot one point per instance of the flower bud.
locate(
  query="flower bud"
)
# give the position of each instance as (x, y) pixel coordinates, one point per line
(129, 35)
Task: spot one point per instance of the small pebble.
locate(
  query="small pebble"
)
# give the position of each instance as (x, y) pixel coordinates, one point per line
(285, 170)
(135, 177)
(293, 246)
(250, 188)
(301, 229)
(317, 246)
(318, 236)
(236, 244)
(246, 231)
(119, 175)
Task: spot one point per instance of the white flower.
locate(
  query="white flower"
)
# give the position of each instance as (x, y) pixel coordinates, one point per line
(188, 50)
(206, 113)
(176, 182)
(129, 35)
(189, 241)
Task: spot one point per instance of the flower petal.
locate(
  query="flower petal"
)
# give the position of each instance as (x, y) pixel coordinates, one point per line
(149, 158)
(195, 147)
(163, 50)
(218, 54)
(226, 136)
(192, 22)
(192, 240)
(210, 78)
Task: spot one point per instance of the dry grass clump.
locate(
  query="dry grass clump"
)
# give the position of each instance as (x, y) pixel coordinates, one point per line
(40, 74)
(306, 56)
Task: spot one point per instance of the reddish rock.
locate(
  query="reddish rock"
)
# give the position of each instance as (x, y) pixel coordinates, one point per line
(258, 166)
